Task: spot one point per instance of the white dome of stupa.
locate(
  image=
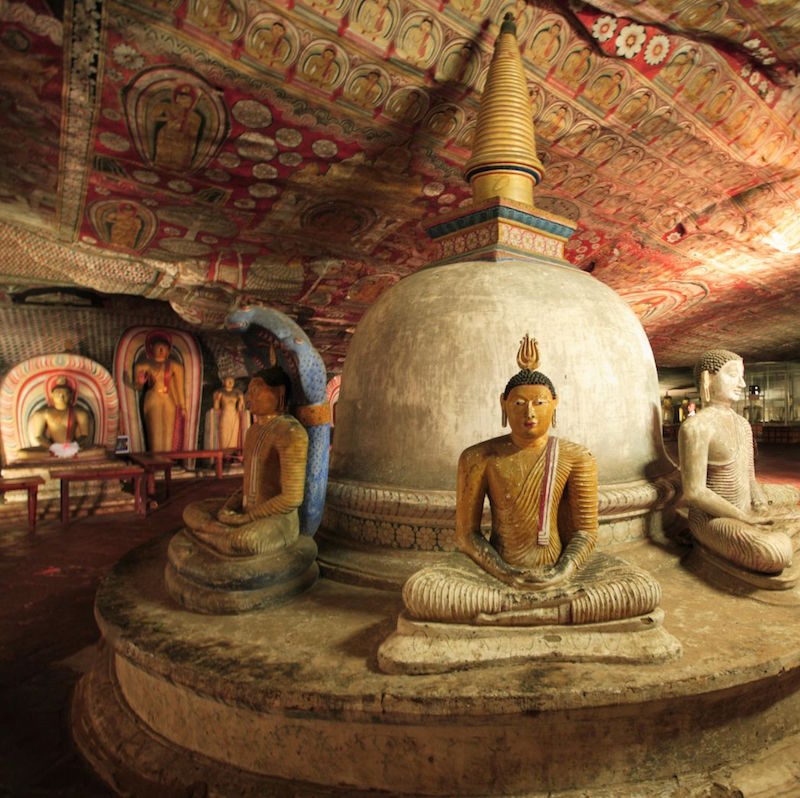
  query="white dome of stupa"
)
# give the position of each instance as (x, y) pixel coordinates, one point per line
(427, 363)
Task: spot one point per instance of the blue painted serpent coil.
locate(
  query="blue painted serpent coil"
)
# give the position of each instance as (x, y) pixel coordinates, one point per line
(309, 379)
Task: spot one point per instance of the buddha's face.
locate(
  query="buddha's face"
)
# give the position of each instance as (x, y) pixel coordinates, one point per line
(530, 411)
(227, 383)
(183, 98)
(262, 399)
(61, 396)
(160, 350)
(728, 383)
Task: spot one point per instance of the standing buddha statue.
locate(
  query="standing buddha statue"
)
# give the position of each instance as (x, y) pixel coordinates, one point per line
(228, 408)
(164, 406)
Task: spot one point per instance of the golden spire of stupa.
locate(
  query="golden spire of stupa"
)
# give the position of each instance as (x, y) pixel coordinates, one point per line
(504, 162)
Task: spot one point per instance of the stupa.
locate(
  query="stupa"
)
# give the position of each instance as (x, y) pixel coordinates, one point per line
(427, 361)
(289, 701)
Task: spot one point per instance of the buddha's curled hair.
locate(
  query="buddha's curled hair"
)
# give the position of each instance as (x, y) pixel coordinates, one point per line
(712, 361)
(528, 377)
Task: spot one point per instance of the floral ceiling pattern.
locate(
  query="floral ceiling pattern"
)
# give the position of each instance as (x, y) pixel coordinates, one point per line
(213, 152)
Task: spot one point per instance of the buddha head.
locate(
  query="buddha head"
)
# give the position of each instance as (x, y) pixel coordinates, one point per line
(719, 375)
(228, 382)
(61, 392)
(183, 95)
(268, 392)
(158, 345)
(529, 401)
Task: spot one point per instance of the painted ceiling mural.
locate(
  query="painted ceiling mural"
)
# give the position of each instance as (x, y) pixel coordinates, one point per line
(209, 152)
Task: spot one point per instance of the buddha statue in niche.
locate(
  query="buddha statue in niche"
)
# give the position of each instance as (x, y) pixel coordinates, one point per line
(262, 515)
(538, 565)
(164, 405)
(750, 525)
(228, 407)
(61, 422)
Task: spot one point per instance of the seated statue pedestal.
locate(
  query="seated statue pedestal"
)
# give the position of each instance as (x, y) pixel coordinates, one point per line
(419, 647)
(563, 628)
(289, 701)
(781, 588)
(206, 581)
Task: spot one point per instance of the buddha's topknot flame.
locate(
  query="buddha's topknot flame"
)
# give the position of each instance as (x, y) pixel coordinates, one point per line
(528, 354)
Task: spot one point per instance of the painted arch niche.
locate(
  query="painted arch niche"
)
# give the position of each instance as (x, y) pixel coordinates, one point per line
(176, 120)
(24, 390)
(133, 351)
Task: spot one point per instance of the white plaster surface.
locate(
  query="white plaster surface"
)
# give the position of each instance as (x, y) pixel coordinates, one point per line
(428, 361)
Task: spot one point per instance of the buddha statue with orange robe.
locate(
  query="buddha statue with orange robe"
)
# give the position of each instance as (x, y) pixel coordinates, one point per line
(247, 551)
(538, 564)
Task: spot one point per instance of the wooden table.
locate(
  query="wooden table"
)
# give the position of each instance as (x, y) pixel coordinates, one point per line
(151, 463)
(198, 454)
(88, 474)
(31, 484)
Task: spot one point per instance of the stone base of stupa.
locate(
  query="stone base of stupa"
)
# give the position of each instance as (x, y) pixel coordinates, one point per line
(290, 702)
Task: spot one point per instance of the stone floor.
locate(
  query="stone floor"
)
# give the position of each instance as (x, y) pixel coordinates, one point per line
(47, 629)
(46, 624)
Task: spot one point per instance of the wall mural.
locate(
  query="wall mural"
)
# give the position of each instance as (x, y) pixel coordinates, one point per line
(290, 153)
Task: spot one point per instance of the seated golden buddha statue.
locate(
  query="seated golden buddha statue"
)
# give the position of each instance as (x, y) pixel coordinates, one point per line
(740, 522)
(538, 565)
(60, 422)
(247, 551)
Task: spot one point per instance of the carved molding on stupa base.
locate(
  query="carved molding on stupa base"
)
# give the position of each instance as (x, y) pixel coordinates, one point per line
(420, 647)
(392, 518)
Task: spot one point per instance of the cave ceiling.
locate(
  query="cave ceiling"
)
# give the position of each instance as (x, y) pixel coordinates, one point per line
(214, 152)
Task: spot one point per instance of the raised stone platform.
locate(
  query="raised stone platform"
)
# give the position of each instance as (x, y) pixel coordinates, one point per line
(290, 702)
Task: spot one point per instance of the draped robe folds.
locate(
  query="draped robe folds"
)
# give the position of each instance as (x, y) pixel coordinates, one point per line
(517, 485)
(604, 588)
(54, 431)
